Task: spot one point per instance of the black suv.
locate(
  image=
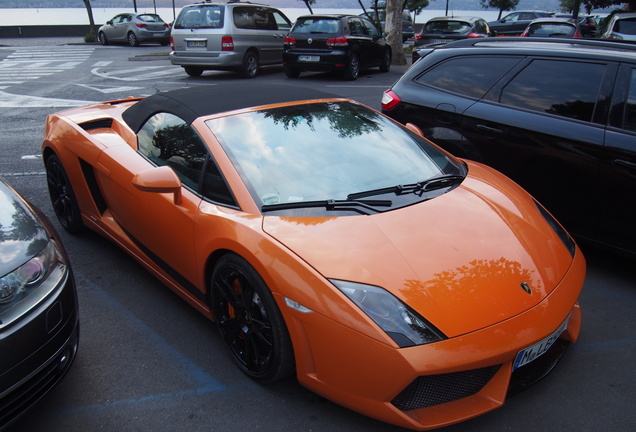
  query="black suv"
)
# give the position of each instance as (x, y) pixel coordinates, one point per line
(557, 116)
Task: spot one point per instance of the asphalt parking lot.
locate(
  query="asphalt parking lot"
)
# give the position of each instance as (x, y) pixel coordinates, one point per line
(149, 362)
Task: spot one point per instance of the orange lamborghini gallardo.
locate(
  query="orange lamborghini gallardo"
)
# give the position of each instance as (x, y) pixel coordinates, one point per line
(327, 241)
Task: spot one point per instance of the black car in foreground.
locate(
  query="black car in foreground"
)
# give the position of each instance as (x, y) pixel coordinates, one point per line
(39, 321)
(556, 115)
(346, 43)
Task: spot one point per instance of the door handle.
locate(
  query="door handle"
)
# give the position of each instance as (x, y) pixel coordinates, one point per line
(488, 130)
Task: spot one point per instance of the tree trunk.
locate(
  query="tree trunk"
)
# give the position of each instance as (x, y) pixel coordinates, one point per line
(91, 20)
(393, 29)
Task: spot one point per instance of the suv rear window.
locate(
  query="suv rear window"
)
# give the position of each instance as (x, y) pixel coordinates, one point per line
(469, 76)
(210, 16)
(565, 88)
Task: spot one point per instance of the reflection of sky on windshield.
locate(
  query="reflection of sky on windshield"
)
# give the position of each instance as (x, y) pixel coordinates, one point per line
(313, 154)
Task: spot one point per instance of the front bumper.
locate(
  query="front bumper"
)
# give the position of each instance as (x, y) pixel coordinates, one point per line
(407, 387)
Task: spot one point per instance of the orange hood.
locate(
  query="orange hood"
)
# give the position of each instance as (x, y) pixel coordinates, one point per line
(459, 259)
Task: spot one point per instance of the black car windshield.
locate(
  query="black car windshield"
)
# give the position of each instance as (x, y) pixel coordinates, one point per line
(323, 151)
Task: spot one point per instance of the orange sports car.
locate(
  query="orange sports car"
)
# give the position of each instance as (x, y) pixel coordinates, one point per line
(327, 241)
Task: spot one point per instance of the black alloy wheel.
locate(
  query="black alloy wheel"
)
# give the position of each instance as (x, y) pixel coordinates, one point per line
(386, 61)
(352, 69)
(62, 196)
(250, 322)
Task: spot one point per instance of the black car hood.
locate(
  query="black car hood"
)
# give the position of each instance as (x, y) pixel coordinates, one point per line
(22, 236)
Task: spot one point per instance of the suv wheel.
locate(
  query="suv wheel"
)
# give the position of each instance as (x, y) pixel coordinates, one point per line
(193, 71)
(353, 68)
(249, 68)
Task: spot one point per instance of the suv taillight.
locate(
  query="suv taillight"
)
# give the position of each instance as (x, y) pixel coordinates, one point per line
(227, 43)
(337, 42)
(390, 100)
(171, 43)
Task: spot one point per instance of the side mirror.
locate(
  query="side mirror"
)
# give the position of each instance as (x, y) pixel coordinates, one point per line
(109, 22)
(159, 180)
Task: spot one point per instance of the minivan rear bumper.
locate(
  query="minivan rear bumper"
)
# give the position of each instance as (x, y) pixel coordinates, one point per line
(207, 60)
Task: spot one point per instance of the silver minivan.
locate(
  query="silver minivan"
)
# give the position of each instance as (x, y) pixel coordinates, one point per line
(236, 36)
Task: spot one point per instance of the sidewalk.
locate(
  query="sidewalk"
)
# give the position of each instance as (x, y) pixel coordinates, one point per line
(43, 41)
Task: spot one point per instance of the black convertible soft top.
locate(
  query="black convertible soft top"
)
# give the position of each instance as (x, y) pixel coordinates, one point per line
(194, 102)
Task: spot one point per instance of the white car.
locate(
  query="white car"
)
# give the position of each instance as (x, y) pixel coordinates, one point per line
(622, 26)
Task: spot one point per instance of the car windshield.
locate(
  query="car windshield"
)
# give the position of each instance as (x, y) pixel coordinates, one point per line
(551, 29)
(315, 26)
(200, 16)
(325, 151)
(446, 27)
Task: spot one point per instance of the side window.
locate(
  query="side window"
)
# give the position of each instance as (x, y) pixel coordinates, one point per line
(166, 139)
(469, 76)
(355, 25)
(630, 106)
(563, 88)
(371, 29)
(281, 22)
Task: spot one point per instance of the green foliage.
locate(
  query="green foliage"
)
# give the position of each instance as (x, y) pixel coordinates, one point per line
(89, 38)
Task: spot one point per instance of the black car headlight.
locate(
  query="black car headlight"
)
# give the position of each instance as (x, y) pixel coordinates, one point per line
(30, 283)
(405, 326)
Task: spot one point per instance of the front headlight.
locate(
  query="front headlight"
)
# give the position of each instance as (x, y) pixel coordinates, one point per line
(17, 287)
(558, 229)
(405, 326)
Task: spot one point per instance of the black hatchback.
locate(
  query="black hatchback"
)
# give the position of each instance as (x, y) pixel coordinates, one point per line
(347, 43)
(556, 115)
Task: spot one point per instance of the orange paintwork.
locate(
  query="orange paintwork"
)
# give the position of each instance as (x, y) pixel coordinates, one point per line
(457, 259)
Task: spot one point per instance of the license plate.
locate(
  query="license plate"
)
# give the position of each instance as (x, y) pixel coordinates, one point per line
(529, 354)
(158, 34)
(196, 44)
(307, 58)
(438, 41)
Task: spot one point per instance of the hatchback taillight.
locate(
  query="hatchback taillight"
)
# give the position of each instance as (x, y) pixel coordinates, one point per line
(141, 25)
(227, 43)
(337, 42)
(390, 100)
(289, 40)
(473, 35)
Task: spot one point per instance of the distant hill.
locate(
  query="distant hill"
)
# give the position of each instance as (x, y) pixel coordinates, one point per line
(549, 5)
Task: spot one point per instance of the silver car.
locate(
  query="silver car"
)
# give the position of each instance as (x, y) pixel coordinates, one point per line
(134, 29)
(621, 27)
(228, 36)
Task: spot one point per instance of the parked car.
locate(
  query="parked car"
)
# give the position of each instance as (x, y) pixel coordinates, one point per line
(39, 321)
(442, 30)
(621, 27)
(346, 43)
(553, 27)
(236, 36)
(408, 29)
(587, 24)
(516, 22)
(557, 117)
(134, 29)
(329, 242)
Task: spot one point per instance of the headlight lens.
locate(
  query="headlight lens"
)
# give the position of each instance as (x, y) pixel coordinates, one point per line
(17, 285)
(405, 326)
(558, 229)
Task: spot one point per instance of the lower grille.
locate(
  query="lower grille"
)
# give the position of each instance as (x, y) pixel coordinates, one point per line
(431, 390)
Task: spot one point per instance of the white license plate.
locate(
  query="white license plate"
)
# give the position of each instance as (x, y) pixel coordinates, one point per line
(158, 34)
(529, 354)
(438, 41)
(307, 58)
(196, 44)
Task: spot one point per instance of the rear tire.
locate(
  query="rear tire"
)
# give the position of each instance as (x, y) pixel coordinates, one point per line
(193, 71)
(353, 68)
(250, 66)
(132, 39)
(292, 72)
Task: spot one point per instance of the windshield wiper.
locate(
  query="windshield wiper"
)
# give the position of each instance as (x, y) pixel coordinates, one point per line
(356, 205)
(417, 188)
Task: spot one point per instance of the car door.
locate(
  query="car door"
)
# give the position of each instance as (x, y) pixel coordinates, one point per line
(542, 127)
(618, 169)
(161, 225)
(377, 44)
(120, 27)
(363, 44)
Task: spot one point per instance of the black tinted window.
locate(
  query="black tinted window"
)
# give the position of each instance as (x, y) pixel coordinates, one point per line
(470, 76)
(257, 18)
(564, 88)
(630, 108)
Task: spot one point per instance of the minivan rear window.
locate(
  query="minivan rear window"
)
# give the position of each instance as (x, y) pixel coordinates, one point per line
(201, 16)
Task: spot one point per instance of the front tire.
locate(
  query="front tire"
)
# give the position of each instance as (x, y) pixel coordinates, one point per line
(250, 322)
(132, 40)
(102, 38)
(250, 66)
(353, 68)
(386, 61)
(63, 196)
